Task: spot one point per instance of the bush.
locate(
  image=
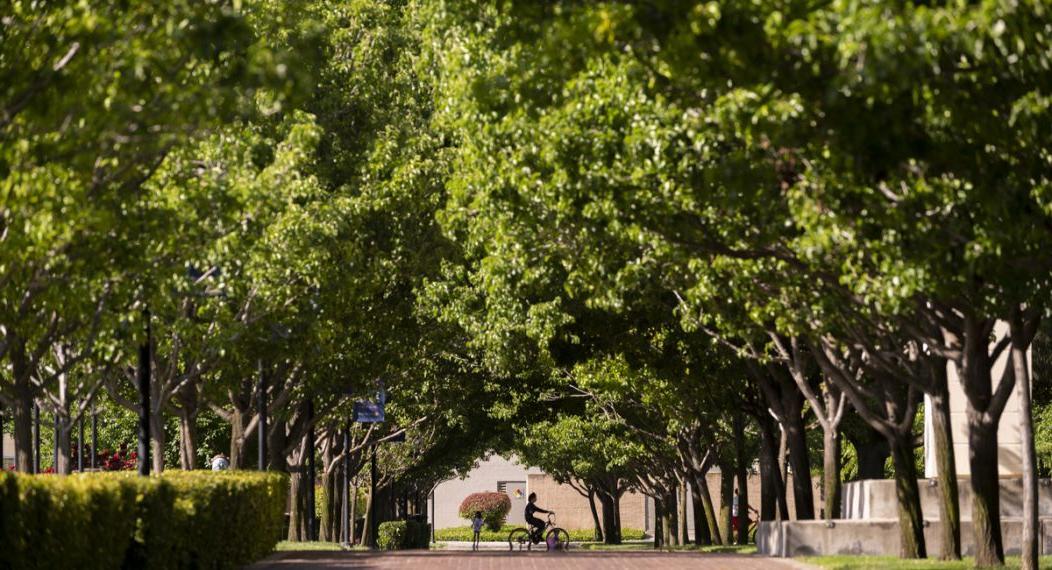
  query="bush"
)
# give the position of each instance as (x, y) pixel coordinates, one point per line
(401, 535)
(391, 535)
(74, 522)
(494, 507)
(227, 516)
(418, 534)
(115, 520)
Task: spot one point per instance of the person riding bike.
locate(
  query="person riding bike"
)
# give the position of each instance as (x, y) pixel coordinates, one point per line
(535, 523)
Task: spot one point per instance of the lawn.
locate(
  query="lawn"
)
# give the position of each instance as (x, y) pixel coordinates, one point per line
(892, 563)
(287, 546)
(646, 546)
(464, 534)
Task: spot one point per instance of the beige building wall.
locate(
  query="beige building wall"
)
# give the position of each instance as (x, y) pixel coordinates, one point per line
(486, 476)
(1009, 438)
(572, 509)
(9, 452)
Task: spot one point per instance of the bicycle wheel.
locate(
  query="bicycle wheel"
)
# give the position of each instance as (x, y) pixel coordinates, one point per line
(557, 539)
(518, 538)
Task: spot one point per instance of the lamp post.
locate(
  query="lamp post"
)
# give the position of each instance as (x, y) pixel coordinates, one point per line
(36, 438)
(311, 514)
(80, 445)
(346, 486)
(94, 436)
(262, 400)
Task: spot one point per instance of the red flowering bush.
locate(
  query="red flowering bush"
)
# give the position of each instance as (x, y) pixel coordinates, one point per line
(120, 460)
(494, 508)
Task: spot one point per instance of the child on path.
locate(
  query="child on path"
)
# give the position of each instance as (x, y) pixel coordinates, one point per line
(476, 525)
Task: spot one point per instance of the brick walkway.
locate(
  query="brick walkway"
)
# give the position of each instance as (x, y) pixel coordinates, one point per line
(440, 560)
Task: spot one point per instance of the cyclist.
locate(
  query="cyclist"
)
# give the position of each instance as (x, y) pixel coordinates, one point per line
(534, 522)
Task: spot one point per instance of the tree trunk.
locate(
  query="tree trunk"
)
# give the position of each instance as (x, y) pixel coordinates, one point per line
(63, 464)
(157, 440)
(606, 499)
(298, 504)
(617, 516)
(187, 439)
(949, 501)
(799, 460)
(367, 530)
(986, 516)
(742, 475)
(277, 460)
(783, 456)
(702, 535)
(659, 530)
(668, 509)
(683, 494)
(23, 431)
(1029, 546)
(598, 535)
(831, 473)
(330, 510)
(773, 505)
(911, 522)
(726, 498)
(238, 437)
(710, 509)
(872, 457)
(352, 524)
(673, 517)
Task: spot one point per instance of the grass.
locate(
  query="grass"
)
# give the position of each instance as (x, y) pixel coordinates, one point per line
(287, 546)
(892, 563)
(464, 534)
(733, 549)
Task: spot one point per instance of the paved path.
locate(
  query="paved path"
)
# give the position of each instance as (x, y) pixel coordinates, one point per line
(440, 560)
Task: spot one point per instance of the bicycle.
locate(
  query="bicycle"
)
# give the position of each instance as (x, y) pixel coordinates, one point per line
(555, 538)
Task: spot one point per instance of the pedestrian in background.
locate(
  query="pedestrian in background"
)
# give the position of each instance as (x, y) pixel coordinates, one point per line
(476, 525)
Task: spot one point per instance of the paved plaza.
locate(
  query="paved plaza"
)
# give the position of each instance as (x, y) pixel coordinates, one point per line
(440, 560)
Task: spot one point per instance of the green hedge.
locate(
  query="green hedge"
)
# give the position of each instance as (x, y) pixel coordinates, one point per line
(117, 520)
(464, 534)
(401, 535)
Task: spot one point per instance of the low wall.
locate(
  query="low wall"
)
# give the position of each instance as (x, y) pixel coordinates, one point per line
(876, 537)
(875, 499)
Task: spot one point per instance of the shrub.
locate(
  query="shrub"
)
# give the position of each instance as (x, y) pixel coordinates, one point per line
(401, 535)
(115, 520)
(494, 507)
(227, 516)
(391, 535)
(418, 534)
(72, 522)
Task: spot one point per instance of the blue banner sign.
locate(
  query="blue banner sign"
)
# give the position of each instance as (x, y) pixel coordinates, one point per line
(368, 412)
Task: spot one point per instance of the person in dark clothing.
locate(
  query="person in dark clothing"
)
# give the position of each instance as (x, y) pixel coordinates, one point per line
(534, 522)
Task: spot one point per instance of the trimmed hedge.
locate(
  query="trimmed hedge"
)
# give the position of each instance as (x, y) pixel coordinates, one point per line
(117, 520)
(402, 535)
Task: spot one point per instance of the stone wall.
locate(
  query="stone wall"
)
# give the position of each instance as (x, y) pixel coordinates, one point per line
(879, 537)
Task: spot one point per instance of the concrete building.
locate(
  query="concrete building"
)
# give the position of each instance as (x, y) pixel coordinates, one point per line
(507, 475)
(1009, 438)
(494, 473)
(8, 458)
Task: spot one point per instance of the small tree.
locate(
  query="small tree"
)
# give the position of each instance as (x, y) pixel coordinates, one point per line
(493, 506)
